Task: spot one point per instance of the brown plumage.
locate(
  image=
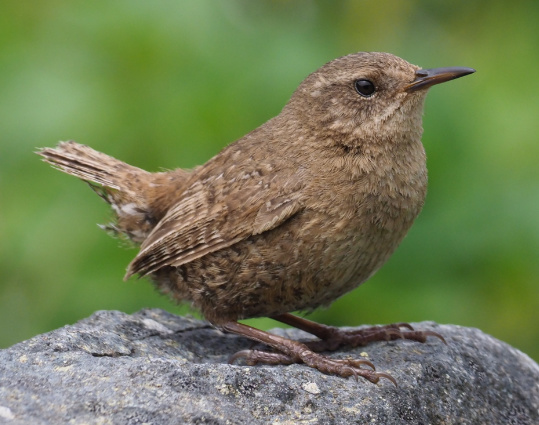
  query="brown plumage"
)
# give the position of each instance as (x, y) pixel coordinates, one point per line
(291, 216)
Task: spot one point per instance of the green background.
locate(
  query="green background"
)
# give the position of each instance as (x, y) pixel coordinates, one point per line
(165, 84)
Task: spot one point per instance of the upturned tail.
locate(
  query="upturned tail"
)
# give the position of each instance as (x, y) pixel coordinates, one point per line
(136, 196)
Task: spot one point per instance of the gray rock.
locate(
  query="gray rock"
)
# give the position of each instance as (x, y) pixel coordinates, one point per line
(156, 368)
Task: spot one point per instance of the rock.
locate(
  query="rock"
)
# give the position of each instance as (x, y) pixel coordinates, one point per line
(156, 368)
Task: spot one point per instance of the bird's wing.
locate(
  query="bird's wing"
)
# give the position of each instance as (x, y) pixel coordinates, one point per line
(212, 216)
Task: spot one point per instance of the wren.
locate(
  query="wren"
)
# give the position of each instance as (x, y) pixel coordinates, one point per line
(291, 216)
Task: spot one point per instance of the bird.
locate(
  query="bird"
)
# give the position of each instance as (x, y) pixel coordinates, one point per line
(288, 218)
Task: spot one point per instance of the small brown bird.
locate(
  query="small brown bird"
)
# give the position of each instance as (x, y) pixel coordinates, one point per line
(291, 216)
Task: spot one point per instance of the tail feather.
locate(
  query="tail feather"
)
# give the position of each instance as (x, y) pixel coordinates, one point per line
(92, 166)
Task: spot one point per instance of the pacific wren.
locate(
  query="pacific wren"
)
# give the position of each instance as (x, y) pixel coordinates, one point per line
(291, 216)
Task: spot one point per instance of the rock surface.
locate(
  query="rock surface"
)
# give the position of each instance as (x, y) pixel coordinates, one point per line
(156, 368)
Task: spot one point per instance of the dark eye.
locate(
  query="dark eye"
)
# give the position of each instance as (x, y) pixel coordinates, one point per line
(364, 87)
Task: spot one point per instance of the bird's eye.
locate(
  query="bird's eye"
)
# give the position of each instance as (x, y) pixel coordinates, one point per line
(365, 87)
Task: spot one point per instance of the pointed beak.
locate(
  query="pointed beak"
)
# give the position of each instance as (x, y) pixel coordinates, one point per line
(426, 78)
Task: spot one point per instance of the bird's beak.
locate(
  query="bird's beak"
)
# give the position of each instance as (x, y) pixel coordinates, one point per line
(426, 78)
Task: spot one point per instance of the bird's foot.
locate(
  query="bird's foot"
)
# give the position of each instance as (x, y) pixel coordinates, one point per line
(364, 336)
(331, 338)
(290, 351)
(340, 367)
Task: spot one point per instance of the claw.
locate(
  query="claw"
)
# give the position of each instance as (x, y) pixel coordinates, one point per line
(421, 336)
(387, 376)
(358, 363)
(366, 363)
(354, 373)
(404, 325)
(435, 334)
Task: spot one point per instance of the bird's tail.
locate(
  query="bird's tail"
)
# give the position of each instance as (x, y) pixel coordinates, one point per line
(92, 166)
(129, 190)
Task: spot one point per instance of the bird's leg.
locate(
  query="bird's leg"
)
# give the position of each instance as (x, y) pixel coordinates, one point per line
(332, 338)
(290, 351)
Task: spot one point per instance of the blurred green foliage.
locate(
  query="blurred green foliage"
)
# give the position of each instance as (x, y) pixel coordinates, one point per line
(164, 84)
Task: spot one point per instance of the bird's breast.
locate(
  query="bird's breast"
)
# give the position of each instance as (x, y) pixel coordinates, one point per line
(364, 213)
